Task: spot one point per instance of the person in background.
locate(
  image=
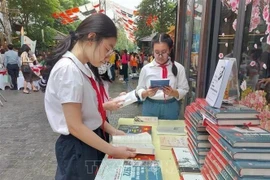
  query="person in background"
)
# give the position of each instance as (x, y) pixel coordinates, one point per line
(112, 62)
(162, 103)
(133, 62)
(2, 58)
(73, 102)
(28, 74)
(12, 63)
(124, 63)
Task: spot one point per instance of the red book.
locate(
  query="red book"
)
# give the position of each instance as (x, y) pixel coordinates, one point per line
(213, 168)
(209, 170)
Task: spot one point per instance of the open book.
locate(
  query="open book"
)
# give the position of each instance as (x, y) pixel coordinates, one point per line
(141, 142)
(128, 98)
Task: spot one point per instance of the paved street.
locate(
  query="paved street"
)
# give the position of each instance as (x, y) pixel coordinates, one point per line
(26, 139)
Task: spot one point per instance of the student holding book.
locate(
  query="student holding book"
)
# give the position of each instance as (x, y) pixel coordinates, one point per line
(73, 102)
(164, 102)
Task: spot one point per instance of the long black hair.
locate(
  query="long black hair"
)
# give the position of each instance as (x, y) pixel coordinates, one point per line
(165, 38)
(99, 23)
(24, 48)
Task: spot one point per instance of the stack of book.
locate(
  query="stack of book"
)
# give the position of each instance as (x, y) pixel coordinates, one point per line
(197, 135)
(240, 149)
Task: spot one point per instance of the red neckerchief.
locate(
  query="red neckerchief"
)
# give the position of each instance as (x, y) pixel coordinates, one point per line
(164, 74)
(103, 93)
(101, 110)
(164, 71)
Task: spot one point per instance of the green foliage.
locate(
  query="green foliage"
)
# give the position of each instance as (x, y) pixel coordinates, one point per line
(163, 9)
(36, 15)
(123, 42)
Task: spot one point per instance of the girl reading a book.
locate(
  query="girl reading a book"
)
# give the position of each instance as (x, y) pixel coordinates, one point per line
(73, 102)
(162, 102)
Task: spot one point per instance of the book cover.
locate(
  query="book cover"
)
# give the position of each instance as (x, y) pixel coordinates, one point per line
(119, 169)
(145, 119)
(185, 160)
(243, 167)
(159, 83)
(232, 121)
(171, 130)
(229, 111)
(258, 154)
(135, 129)
(243, 136)
(141, 142)
(167, 142)
(223, 73)
(191, 176)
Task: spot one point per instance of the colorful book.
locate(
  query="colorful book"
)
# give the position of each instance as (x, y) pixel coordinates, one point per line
(141, 142)
(244, 168)
(243, 136)
(237, 122)
(135, 129)
(168, 142)
(171, 130)
(258, 154)
(145, 119)
(185, 160)
(228, 111)
(119, 169)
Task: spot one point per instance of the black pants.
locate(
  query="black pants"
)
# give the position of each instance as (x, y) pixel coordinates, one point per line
(75, 159)
(13, 71)
(125, 71)
(113, 72)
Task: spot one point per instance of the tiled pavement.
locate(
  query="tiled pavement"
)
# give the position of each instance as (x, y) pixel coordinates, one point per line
(26, 139)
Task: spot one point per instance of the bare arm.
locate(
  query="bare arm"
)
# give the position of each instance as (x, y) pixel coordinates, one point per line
(72, 112)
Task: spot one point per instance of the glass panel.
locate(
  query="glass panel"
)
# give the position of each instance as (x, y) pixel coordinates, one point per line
(228, 20)
(193, 70)
(188, 24)
(255, 61)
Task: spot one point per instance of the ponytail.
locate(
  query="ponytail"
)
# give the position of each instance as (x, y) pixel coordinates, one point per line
(98, 23)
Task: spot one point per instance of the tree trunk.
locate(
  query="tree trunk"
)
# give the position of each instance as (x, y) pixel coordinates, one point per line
(6, 23)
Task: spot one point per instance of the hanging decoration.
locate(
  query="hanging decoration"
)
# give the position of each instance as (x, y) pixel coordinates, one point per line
(77, 13)
(126, 18)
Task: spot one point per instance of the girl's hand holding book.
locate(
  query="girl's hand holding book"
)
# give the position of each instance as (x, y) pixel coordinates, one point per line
(123, 152)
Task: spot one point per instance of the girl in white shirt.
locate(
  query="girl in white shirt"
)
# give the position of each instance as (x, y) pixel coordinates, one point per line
(73, 102)
(163, 103)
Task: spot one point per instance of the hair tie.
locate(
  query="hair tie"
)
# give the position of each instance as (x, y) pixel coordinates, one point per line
(73, 35)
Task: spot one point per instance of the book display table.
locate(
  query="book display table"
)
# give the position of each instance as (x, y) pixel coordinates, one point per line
(168, 165)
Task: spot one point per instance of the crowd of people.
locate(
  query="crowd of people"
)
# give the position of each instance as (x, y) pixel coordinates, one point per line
(21, 60)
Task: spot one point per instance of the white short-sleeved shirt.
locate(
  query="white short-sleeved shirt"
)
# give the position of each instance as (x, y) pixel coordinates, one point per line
(154, 71)
(69, 83)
